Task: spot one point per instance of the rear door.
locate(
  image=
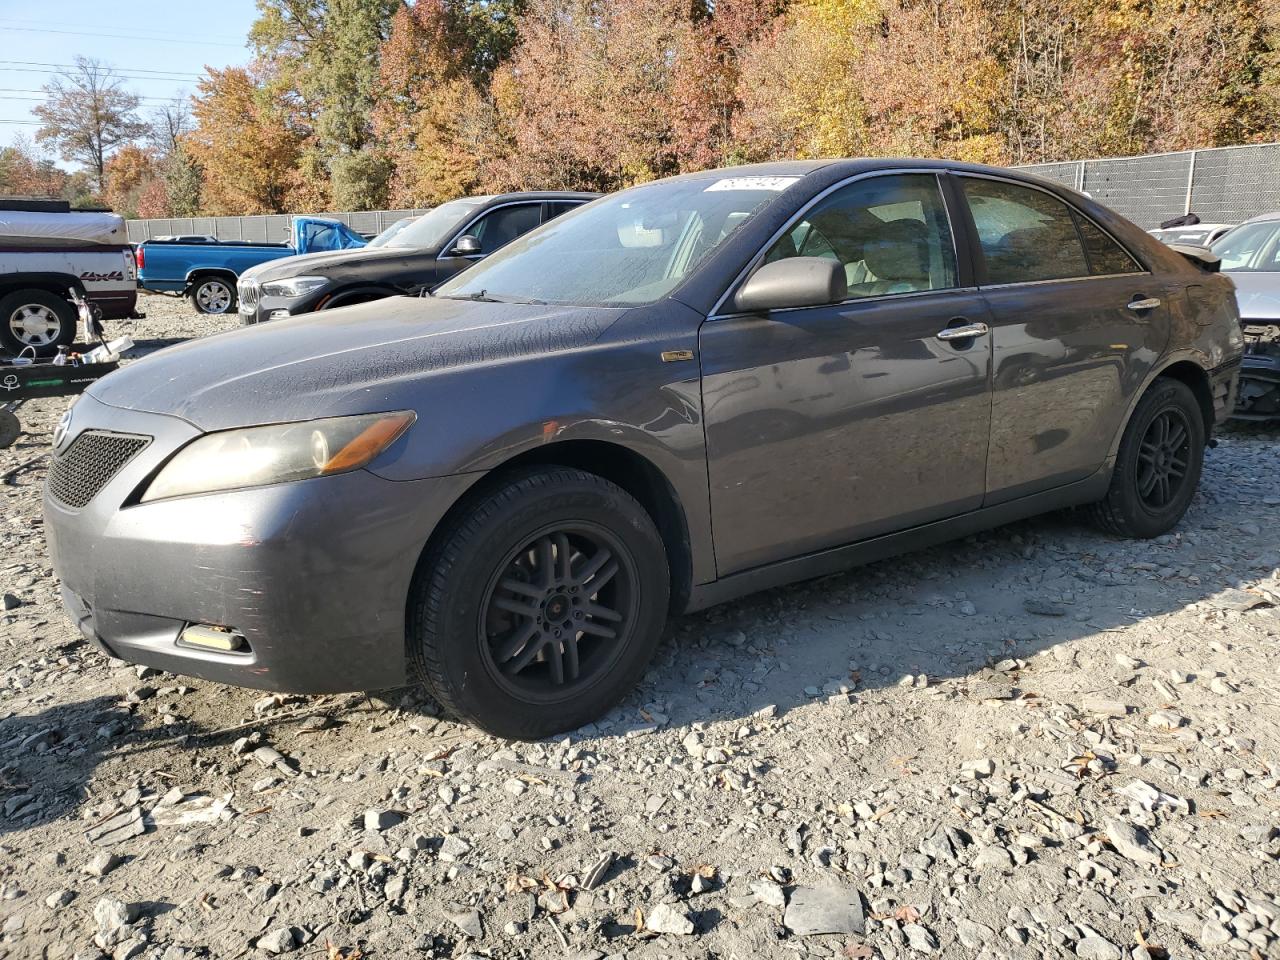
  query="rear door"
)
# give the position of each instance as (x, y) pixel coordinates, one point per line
(831, 424)
(1077, 325)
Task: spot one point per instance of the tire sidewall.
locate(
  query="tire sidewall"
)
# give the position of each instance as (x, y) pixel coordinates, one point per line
(205, 281)
(470, 557)
(63, 309)
(1146, 522)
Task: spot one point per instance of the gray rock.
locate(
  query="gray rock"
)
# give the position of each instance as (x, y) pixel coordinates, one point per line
(1097, 948)
(277, 941)
(1214, 934)
(102, 864)
(818, 910)
(453, 849)
(1044, 608)
(382, 819)
(665, 918)
(1132, 842)
(972, 933)
(768, 892)
(701, 884)
(468, 921)
(118, 828)
(595, 876)
(920, 939)
(11, 602)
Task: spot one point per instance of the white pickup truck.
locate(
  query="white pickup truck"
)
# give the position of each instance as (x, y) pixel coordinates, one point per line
(47, 253)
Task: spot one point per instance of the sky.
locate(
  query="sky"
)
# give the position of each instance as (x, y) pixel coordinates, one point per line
(159, 46)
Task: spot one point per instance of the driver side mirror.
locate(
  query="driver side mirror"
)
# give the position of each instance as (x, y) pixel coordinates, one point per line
(793, 282)
(467, 246)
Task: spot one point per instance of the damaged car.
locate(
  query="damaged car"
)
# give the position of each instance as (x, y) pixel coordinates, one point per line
(668, 398)
(1250, 256)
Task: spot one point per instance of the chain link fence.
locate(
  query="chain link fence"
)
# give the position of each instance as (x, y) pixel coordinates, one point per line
(268, 228)
(1220, 184)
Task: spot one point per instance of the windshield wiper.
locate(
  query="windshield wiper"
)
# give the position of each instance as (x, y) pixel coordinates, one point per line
(482, 296)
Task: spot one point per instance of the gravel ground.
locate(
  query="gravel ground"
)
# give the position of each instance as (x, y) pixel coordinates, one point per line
(1038, 742)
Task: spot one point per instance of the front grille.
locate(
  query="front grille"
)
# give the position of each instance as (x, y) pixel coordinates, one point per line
(248, 293)
(90, 462)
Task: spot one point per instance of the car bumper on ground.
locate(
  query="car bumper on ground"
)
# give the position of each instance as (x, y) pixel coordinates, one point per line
(314, 574)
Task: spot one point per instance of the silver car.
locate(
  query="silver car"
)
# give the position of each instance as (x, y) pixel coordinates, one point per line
(1250, 255)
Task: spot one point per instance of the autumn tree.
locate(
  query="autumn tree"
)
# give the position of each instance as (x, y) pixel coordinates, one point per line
(245, 143)
(129, 172)
(25, 173)
(87, 115)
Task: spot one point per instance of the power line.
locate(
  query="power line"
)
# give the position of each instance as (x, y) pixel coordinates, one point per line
(103, 26)
(114, 76)
(46, 99)
(72, 66)
(28, 123)
(124, 36)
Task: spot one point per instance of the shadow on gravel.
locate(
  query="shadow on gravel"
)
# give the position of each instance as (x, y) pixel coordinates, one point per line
(46, 759)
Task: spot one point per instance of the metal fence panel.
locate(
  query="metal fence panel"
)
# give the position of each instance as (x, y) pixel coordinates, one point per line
(1147, 189)
(1236, 183)
(272, 228)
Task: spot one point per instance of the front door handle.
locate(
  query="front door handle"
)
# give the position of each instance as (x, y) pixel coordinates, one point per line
(966, 332)
(1145, 303)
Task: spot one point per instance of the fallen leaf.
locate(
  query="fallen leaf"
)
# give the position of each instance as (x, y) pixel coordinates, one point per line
(858, 951)
(906, 914)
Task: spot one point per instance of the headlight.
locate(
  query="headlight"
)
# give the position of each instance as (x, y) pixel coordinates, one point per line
(285, 451)
(294, 287)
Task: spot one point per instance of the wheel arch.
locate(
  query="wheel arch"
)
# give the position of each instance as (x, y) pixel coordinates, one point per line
(59, 284)
(631, 471)
(1184, 368)
(357, 293)
(199, 273)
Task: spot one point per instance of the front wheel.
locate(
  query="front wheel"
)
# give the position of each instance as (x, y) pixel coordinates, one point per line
(1158, 464)
(540, 606)
(212, 295)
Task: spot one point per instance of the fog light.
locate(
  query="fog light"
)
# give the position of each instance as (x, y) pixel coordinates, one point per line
(208, 637)
(278, 314)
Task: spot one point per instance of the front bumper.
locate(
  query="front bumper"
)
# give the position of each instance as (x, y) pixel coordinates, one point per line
(259, 308)
(315, 574)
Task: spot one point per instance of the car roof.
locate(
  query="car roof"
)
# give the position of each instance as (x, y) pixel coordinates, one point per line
(534, 195)
(851, 166)
(1273, 215)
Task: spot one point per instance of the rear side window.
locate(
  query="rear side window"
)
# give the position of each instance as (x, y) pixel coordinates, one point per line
(1026, 234)
(1106, 257)
(889, 233)
(557, 207)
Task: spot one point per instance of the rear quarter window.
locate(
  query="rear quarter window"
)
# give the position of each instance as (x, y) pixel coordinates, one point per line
(1106, 257)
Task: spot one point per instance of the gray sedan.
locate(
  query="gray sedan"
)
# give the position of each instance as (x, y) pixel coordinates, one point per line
(1250, 256)
(671, 397)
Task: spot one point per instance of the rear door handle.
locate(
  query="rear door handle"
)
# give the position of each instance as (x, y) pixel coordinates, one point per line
(966, 332)
(1146, 303)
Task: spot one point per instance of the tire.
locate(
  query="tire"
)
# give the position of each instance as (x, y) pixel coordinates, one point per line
(490, 654)
(10, 428)
(39, 319)
(1137, 505)
(214, 295)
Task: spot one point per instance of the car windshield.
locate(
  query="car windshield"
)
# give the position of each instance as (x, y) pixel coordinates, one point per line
(630, 248)
(392, 231)
(1253, 247)
(433, 227)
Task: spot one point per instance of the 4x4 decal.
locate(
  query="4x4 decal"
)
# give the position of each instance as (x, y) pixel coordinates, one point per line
(102, 277)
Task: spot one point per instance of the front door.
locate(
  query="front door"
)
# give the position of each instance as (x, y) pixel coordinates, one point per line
(831, 424)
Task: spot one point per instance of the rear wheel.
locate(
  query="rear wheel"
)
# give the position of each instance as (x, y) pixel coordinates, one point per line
(540, 607)
(36, 319)
(212, 295)
(1158, 464)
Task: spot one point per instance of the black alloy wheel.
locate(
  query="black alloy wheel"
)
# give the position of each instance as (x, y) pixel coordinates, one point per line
(539, 603)
(1164, 457)
(559, 611)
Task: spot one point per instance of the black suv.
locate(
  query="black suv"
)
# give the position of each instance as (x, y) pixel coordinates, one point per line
(429, 251)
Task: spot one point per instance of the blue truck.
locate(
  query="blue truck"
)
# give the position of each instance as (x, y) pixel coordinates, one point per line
(205, 272)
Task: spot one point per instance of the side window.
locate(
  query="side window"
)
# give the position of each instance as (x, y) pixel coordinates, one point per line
(503, 225)
(557, 207)
(1026, 234)
(890, 233)
(1106, 257)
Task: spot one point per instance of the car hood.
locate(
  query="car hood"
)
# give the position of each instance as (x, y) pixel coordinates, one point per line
(326, 262)
(359, 359)
(1258, 294)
